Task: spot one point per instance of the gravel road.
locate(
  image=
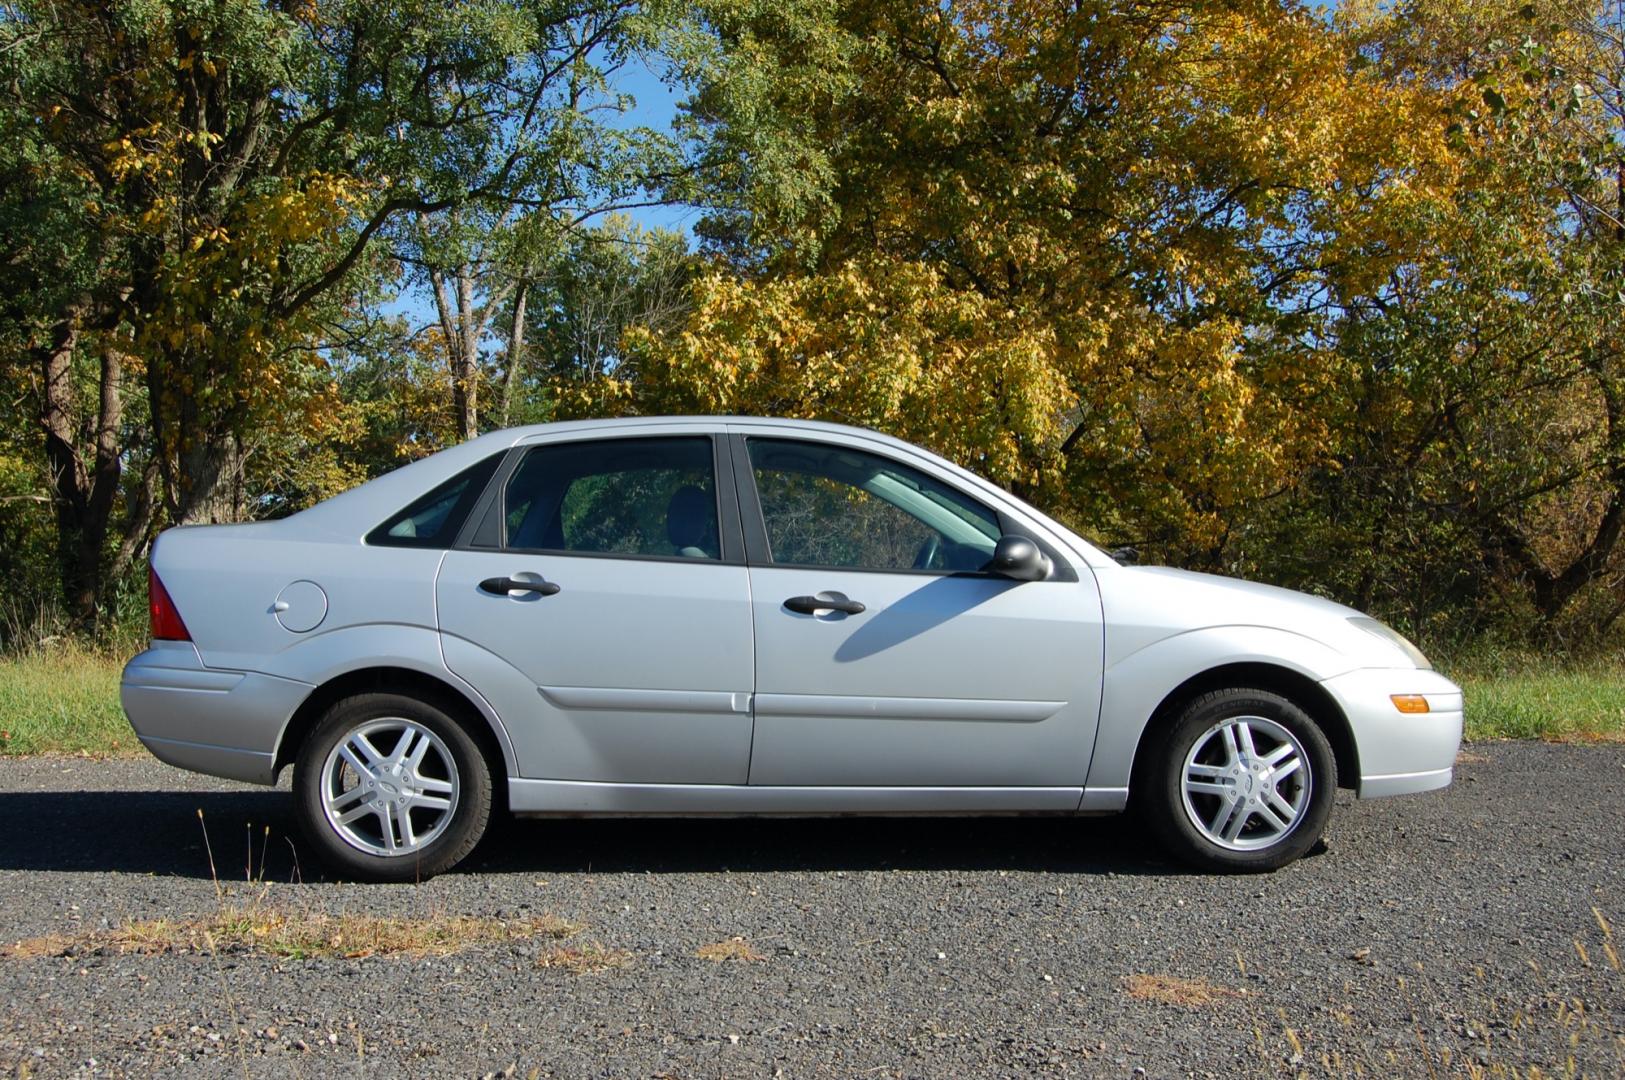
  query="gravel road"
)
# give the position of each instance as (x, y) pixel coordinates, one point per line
(1465, 927)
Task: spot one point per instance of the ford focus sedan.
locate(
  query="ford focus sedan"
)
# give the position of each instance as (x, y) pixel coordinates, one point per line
(700, 616)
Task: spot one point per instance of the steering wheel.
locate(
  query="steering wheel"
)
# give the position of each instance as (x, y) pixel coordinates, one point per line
(928, 552)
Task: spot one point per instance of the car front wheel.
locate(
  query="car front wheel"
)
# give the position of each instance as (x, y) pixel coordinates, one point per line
(1242, 782)
(390, 788)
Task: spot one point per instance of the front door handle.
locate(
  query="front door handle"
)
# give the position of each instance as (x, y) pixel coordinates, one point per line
(502, 586)
(812, 605)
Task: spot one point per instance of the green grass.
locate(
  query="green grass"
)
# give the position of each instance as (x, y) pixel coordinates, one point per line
(1582, 705)
(65, 701)
(62, 701)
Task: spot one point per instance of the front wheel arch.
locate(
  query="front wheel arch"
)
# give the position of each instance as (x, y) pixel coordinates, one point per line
(1277, 803)
(1299, 689)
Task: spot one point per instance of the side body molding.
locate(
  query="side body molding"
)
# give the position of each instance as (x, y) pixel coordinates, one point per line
(616, 699)
(912, 708)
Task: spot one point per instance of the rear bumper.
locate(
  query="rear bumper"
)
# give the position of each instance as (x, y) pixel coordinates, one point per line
(1400, 753)
(223, 723)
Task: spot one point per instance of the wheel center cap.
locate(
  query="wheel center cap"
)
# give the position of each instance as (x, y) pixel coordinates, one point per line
(386, 787)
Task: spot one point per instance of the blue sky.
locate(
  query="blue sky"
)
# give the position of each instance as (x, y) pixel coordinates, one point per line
(656, 107)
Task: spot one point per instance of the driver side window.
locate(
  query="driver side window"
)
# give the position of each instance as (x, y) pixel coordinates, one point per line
(827, 505)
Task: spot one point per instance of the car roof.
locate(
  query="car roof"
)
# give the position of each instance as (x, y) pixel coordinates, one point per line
(353, 512)
(708, 423)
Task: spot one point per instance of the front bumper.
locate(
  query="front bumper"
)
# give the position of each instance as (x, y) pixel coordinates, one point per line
(1400, 753)
(224, 723)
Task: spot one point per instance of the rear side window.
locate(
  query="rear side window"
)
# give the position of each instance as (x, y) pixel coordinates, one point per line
(649, 497)
(432, 521)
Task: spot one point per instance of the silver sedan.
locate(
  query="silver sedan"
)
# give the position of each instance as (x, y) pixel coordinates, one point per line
(736, 616)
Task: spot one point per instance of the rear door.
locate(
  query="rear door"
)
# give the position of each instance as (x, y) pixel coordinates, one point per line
(947, 676)
(605, 580)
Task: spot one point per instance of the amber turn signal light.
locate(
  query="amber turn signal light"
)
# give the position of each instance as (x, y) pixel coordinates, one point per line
(1409, 703)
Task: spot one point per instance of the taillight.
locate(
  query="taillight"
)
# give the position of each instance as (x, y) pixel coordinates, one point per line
(166, 620)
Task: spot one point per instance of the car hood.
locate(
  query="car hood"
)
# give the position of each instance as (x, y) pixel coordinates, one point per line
(1196, 588)
(1146, 604)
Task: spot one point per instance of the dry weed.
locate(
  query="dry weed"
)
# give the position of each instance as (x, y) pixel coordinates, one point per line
(589, 958)
(735, 948)
(1172, 990)
(277, 932)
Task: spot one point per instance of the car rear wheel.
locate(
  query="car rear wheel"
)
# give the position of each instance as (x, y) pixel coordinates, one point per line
(391, 788)
(1242, 782)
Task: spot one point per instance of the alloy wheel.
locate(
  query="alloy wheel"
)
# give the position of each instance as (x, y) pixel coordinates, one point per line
(390, 787)
(1245, 783)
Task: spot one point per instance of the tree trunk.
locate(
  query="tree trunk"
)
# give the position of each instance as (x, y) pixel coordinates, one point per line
(211, 481)
(198, 450)
(459, 325)
(465, 372)
(138, 524)
(516, 351)
(1552, 589)
(84, 494)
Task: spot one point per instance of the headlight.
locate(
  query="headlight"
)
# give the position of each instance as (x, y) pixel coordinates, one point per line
(1392, 637)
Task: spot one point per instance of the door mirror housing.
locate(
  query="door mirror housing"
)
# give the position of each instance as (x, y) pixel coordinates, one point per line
(1125, 556)
(1019, 559)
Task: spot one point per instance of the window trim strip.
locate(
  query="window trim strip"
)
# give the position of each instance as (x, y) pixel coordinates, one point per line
(482, 531)
(758, 551)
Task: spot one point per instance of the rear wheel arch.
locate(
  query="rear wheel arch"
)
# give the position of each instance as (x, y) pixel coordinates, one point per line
(1297, 688)
(397, 680)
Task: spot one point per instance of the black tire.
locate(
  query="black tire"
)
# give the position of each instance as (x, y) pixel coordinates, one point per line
(356, 849)
(1193, 825)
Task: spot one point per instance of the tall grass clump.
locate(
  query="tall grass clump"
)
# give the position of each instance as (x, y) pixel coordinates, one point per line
(1528, 694)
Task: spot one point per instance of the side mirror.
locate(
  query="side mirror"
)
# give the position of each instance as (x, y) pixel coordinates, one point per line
(1018, 558)
(1127, 556)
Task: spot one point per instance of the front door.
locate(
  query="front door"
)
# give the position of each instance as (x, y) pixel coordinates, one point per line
(946, 677)
(604, 618)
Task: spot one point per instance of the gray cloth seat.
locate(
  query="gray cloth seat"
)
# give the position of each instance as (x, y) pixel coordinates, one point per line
(690, 523)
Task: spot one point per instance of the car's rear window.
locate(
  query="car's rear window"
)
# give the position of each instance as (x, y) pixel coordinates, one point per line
(649, 497)
(432, 521)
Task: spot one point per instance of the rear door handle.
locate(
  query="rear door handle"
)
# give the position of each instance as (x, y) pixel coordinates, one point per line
(812, 605)
(502, 586)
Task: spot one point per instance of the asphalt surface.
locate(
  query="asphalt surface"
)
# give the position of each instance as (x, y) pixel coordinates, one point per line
(1431, 934)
